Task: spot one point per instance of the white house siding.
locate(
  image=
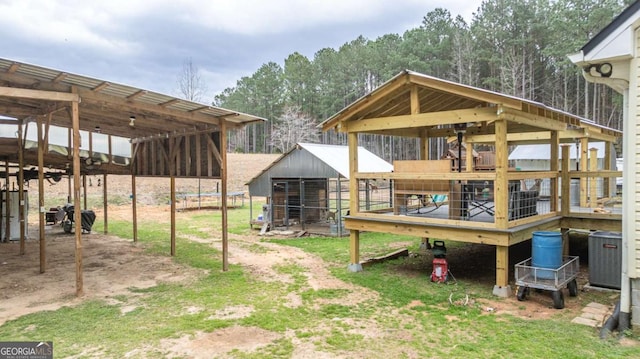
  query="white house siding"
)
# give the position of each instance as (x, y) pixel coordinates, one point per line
(635, 92)
(634, 115)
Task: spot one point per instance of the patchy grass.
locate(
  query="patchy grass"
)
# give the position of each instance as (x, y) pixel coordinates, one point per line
(411, 316)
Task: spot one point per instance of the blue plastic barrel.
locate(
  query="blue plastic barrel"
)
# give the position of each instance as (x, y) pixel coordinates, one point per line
(546, 252)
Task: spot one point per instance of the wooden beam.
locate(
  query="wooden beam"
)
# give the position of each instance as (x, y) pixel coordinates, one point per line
(38, 94)
(61, 76)
(531, 137)
(532, 120)
(13, 68)
(422, 120)
(169, 103)
(137, 94)
(101, 87)
(120, 104)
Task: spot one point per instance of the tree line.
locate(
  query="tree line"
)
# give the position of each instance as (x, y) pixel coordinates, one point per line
(515, 47)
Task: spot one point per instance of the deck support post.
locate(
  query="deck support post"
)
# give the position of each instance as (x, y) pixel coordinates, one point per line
(553, 189)
(502, 288)
(501, 188)
(565, 193)
(565, 241)
(354, 235)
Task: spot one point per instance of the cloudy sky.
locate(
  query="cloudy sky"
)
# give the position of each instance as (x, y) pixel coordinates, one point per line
(144, 43)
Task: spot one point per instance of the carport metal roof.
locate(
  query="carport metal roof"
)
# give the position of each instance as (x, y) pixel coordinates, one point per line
(171, 137)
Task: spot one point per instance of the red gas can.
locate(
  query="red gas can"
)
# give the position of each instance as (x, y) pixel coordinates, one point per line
(440, 270)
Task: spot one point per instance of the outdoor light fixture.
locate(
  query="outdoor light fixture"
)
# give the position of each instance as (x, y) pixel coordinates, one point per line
(132, 121)
(97, 129)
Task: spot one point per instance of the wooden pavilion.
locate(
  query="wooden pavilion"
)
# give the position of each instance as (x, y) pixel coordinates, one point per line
(169, 137)
(484, 206)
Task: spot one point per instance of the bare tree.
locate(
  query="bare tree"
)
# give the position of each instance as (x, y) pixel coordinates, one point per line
(293, 127)
(190, 83)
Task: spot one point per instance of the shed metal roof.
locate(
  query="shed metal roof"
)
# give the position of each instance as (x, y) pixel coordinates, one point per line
(307, 160)
(543, 151)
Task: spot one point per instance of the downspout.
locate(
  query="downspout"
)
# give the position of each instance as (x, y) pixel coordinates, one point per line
(628, 233)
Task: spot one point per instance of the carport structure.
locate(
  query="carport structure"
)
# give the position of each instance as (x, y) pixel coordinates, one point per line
(169, 137)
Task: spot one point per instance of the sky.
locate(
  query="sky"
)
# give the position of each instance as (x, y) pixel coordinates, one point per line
(144, 43)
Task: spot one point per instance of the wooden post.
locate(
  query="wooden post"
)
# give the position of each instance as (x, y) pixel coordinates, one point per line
(584, 143)
(173, 215)
(7, 204)
(469, 160)
(502, 266)
(606, 182)
(501, 185)
(84, 190)
(593, 167)
(105, 203)
(223, 194)
(553, 188)
(134, 209)
(565, 192)
(565, 241)
(354, 202)
(75, 120)
(43, 243)
(21, 187)
(501, 195)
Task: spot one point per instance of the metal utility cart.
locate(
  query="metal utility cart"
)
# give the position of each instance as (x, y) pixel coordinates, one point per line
(528, 276)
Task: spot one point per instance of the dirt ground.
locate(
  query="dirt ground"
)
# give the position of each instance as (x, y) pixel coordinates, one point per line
(113, 266)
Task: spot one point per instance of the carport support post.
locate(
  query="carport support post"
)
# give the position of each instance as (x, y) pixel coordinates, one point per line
(134, 208)
(223, 194)
(354, 236)
(21, 186)
(502, 288)
(104, 203)
(75, 120)
(43, 243)
(173, 215)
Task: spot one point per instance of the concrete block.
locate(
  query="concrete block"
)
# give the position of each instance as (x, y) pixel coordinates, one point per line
(355, 267)
(597, 306)
(585, 321)
(503, 292)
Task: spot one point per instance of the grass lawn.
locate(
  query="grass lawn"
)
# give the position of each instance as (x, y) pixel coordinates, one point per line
(405, 314)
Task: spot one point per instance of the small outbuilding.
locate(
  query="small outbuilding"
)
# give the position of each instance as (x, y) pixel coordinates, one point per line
(308, 188)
